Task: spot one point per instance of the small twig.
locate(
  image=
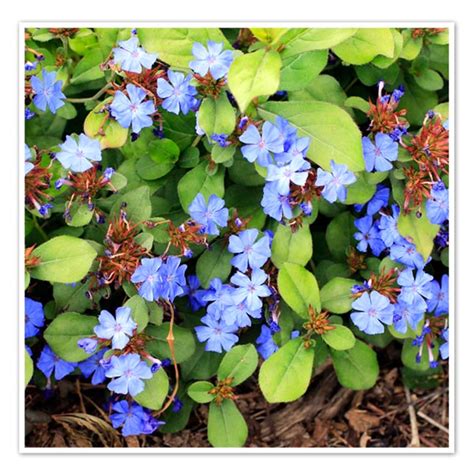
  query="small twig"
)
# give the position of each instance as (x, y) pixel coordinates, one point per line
(83, 100)
(415, 439)
(433, 422)
(79, 393)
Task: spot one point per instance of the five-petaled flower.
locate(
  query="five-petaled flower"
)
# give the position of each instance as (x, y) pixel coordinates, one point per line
(47, 92)
(258, 147)
(128, 372)
(250, 252)
(212, 59)
(130, 57)
(178, 93)
(77, 155)
(210, 215)
(147, 274)
(119, 328)
(379, 156)
(372, 309)
(334, 183)
(216, 334)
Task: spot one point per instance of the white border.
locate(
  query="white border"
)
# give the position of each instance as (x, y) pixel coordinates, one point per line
(229, 24)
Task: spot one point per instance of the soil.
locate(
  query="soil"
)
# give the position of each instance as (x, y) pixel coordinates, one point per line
(388, 415)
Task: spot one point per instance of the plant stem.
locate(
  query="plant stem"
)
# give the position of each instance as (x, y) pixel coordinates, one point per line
(39, 228)
(82, 100)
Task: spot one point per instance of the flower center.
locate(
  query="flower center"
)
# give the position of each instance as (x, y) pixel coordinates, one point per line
(372, 312)
(117, 327)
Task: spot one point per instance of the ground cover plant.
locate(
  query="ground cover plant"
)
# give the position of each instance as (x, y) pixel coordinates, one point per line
(213, 209)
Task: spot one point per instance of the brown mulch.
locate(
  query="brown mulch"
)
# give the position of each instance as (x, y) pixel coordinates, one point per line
(327, 416)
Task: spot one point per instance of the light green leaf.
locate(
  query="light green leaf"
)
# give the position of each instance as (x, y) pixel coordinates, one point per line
(216, 116)
(299, 70)
(174, 45)
(64, 259)
(81, 215)
(429, 79)
(285, 375)
(339, 234)
(155, 391)
(418, 230)
(357, 103)
(292, 247)
(254, 74)
(184, 342)
(226, 427)
(139, 311)
(336, 295)
(214, 263)
(199, 391)
(239, 364)
(299, 288)
(409, 353)
(29, 368)
(64, 332)
(198, 181)
(268, 35)
(356, 368)
(323, 88)
(411, 46)
(340, 338)
(88, 68)
(137, 204)
(162, 155)
(333, 133)
(365, 44)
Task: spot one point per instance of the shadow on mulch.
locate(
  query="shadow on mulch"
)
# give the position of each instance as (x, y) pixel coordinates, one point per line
(327, 416)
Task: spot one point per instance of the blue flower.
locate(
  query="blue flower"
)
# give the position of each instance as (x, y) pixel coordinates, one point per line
(34, 317)
(220, 295)
(216, 334)
(133, 419)
(49, 362)
(133, 109)
(119, 329)
(296, 149)
(414, 288)
(173, 279)
(147, 274)
(28, 157)
(209, 215)
(266, 346)
(239, 314)
(130, 57)
(250, 289)
(250, 252)
(388, 227)
(128, 372)
(335, 182)
(194, 293)
(212, 59)
(437, 206)
(47, 92)
(274, 204)
(178, 93)
(77, 155)
(88, 345)
(378, 200)
(93, 366)
(405, 315)
(444, 348)
(372, 310)
(295, 172)
(368, 235)
(380, 155)
(438, 303)
(404, 252)
(287, 134)
(259, 147)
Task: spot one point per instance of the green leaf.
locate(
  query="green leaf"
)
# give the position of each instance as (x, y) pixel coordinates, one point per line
(268, 35)
(322, 88)
(179, 128)
(226, 427)
(299, 70)
(254, 74)
(339, 234)
(221, 154)
(214, 263)
(417, 101)
(361, 191)
(409, 353)
(88, 68)
(383, 61)
(163, 154)
(198, 181)
(356, 368)
(216, 116)
(336, 295)
(174, 45)
(333, 133)
(184, 343)
(292, 247)
(139, 311)
(365, 44)
(340, 338)
(299, 288)
(411, 46)
(357, 103)
(137, 204)
(199, 391)
(64, 259)
(177, 421)
(72, 298)
(102, 127)
(418, 230)
(155, 392)
(81, 215)
(29, 368)
(429, 80)
(239, 364)
(203, 364)
(64, 332)
(285, 375)
(299, 40)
